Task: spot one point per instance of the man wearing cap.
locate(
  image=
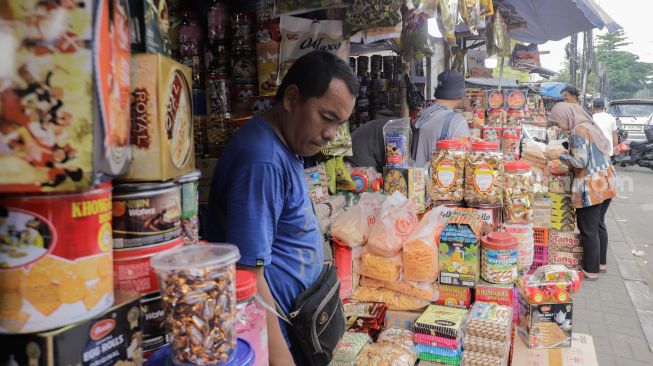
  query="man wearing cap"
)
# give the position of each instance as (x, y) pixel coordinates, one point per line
(607, 123)
(439, 121)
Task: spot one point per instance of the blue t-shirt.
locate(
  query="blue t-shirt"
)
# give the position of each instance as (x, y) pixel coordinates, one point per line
(259, 201)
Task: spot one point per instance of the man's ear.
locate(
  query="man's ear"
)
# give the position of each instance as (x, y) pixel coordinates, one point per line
(290, 97)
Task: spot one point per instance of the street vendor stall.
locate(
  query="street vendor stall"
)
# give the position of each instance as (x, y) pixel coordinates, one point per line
(113, 115)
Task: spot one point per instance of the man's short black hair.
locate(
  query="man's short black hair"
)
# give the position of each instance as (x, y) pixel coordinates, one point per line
(313, 72)
(571, 91)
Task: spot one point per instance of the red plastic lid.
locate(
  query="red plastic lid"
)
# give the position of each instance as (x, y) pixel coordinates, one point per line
(510, 136)
(499, 241)
(449, 145)
(515, 166)
(245, 285)
(485, 146)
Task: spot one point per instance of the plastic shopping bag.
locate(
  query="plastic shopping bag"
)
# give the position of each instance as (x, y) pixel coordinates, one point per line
(397, 221)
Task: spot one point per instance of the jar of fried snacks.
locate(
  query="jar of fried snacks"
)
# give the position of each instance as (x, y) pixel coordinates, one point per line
(448, 171)
(518, 193)
(483, 171)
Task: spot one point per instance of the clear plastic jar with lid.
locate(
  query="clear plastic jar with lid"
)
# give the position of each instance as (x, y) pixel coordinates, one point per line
(483, 171)
(448, 171)
(518, 193)
(251, 324)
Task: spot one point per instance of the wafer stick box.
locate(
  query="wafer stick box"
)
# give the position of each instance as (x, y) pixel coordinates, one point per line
(459, 249)
(545, 325)
(64, 94)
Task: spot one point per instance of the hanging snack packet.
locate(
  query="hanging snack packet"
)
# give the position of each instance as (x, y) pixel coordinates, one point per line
(300, 36)
(371, 14)
(289, 7)
(449, 16)
(397, 134)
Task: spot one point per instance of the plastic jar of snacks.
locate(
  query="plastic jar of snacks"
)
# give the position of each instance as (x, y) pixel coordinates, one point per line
(448, 171)
(199, 299)
(251, 322)
(483, 170)
(499, 258)
(518, 193)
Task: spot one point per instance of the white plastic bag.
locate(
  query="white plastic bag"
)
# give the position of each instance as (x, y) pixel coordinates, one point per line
(353, 226)
(397, 221)
(421, 250)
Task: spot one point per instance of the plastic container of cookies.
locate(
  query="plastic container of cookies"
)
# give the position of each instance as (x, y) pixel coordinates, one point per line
(198, 289)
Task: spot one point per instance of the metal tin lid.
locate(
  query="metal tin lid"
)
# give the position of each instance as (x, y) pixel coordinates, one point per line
(195, 175)
(122, 188)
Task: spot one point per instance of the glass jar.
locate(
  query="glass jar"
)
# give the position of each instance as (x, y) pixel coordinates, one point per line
(483, 171)
(192, 46)
(251, 324)
(217, 21)
(242, 32)
(448, 171)
(518, 193)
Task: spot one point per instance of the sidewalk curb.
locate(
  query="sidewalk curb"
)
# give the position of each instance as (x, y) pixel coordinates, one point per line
(634, 279)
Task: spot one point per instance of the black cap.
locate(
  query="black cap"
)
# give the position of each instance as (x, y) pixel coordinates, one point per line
(599, 103)
(451, 85)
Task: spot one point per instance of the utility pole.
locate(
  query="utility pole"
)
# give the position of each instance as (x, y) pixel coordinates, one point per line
(573, 59)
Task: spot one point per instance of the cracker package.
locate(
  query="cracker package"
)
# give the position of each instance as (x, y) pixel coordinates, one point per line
(423, 290)
(113, 338)
(397, 221)
(421, 250)
(353, 226)
(454, 296)
(64, 101)
(150, 26)
(565, 248)
(394, 300)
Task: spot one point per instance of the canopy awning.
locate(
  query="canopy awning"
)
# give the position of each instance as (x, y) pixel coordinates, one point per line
(552, 89)
(553, 20)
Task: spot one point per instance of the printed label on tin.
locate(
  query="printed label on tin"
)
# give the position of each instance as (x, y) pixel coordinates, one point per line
(146, 219)
(55, 260)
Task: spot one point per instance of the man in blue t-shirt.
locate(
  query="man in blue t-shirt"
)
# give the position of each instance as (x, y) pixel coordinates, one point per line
(259, 197)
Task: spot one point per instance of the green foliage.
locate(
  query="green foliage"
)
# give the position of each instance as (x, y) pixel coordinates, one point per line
(628, 75)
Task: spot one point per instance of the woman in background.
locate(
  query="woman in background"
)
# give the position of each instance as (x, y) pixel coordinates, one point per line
(594, 181)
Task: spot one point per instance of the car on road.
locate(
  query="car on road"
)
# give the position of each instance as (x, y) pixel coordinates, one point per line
(632, 115)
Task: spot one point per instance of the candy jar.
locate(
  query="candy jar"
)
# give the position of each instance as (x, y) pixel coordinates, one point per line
(251, 322)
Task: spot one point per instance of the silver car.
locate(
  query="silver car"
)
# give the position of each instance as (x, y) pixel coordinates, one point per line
(632, 115)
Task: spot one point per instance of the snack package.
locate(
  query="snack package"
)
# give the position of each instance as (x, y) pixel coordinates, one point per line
(397, 135)
(471, 14)
(387, 354)
(372, 14)
(449, 16)
(417, 43)
(396, 335)
(342, 144)
(349, 347)
(300, 36)
(353, 226)
(395, 300)
(380, 268)
(423, 290)
(397, 221)
(421, 251)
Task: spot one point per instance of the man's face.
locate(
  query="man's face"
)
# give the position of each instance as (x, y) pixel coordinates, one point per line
(569, 98)
(311, 124)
